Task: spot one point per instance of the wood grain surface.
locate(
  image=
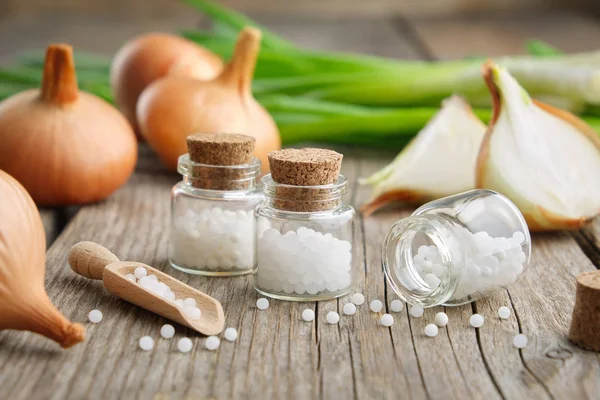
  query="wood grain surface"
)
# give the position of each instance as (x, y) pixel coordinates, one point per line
(277, 355)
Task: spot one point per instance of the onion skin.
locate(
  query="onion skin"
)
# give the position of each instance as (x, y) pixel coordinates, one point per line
(149, 57)
(173, 108)
(538, 218)
(24, 304)
(65, 146)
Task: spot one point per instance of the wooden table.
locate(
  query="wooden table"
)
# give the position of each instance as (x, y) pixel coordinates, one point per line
(277, 355)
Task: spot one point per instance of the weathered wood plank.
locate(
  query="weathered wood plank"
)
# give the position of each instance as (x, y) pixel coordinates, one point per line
(492, 35)
(550, 367)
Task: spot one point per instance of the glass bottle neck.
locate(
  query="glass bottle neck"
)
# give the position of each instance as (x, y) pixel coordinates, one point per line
(400, 248)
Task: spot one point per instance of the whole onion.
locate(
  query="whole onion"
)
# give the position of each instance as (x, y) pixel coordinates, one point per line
(174, 107)
(146, 58)
(63, 145)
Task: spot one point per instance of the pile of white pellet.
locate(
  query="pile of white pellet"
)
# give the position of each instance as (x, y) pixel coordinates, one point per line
(213, 239)
(152, 284)
(303, 262)
(491, 262)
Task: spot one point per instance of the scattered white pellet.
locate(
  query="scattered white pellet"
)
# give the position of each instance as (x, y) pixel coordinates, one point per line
(190, 302)
(140, 272)
(349, 309)
(504, 312)
(131, 277)
(396, 305)
(476, 320)
(357, 298)
(417, 311)
(212, 343)
(376, 306)
(153, 277)
(167, 331)
(184, 345)
(308, 315)
(333, 317)
(262, 303)
(386, 320)
(95, 316)
(431, 330)
(520, 341)
(146, 343)
(193, 313)
(231, 334)
(441, 319)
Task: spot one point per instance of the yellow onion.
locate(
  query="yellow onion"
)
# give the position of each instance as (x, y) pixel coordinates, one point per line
(24, 304)
(438, 162)
(148, 57)
(174, 107)
(63, 145)
(546, 160)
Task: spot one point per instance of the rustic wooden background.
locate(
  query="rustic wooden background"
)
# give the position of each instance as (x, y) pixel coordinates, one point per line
(277, 355)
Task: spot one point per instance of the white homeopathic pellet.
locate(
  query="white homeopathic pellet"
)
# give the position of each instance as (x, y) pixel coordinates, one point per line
(146, 343)
(262, 303)
(349, 309)
(441, 319)
(231, 334)
(95, 316)
(190, 302)
(357, 298)
(131, 277)
(140, 272)
(476, 320)
(417, 311)
(212, 343)
(308, 315)
(386, 320)
(520, 341)
(431, 330)
(167, 331)
(376, 306)
(333, 317)
(396, 305)
(504, 312)
(184, 345)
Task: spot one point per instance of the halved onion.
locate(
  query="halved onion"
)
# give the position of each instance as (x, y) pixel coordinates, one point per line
(438, 162)
(546, 160)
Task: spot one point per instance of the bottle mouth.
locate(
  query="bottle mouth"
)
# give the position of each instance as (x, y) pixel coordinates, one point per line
(218, 177)
(304, 198)
(399, 249)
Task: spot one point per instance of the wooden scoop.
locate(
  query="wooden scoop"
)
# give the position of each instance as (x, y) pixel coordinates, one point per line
(96, 262)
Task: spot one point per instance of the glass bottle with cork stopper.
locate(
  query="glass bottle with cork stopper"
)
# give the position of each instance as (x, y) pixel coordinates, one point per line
(212, 208)
(304, 230)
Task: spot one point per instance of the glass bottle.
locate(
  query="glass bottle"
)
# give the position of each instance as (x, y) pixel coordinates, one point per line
(304, 240)
(212, 218)
(457, 249)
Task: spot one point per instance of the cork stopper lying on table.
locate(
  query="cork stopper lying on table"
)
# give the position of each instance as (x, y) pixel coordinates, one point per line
(585, 326)
(305, 167)
(219, 149)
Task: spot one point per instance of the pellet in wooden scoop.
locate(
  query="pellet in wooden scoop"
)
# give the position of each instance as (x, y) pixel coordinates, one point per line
(585, 326)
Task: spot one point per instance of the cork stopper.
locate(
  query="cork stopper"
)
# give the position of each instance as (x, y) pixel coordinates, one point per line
(222, 157)
(585, 325)
(304, 168)
(220, 148)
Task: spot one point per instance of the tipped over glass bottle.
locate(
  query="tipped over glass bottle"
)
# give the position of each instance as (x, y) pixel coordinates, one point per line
(457, 249)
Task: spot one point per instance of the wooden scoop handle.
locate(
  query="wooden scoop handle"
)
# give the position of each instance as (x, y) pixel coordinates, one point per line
(89, 259)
